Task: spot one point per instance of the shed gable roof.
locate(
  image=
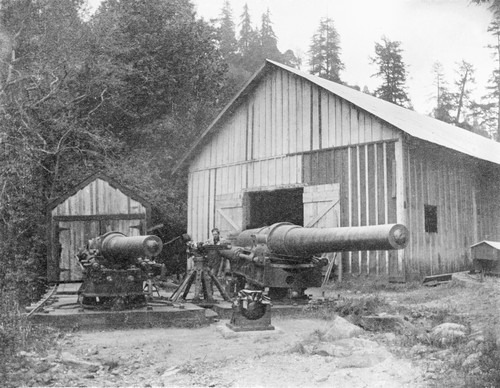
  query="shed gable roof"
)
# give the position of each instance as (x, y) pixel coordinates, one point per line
(493, 244)
(415, 124)
(129, 193)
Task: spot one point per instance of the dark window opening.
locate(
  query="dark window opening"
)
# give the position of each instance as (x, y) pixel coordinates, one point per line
(269, 207)
(431, 224)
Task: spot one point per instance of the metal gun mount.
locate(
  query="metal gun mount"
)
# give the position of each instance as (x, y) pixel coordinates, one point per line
(115, 267)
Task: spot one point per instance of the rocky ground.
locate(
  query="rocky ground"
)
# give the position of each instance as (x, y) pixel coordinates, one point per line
(425, 336)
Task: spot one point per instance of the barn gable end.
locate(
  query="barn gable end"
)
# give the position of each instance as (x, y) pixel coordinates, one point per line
(290, 133)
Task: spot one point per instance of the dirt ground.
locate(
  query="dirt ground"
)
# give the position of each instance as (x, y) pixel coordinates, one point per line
(214, 357)
(301, 352)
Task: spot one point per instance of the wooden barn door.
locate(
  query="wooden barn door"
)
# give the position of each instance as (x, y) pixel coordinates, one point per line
(73, 236)
(229, 213)
(322, 210)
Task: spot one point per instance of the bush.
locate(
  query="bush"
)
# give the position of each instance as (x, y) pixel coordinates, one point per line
(18, 334)
(489, 365)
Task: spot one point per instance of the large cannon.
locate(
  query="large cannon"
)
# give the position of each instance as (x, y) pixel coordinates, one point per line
(115, 268)
(282, 257)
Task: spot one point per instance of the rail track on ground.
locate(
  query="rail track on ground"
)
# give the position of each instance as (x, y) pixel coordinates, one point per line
(37, 306)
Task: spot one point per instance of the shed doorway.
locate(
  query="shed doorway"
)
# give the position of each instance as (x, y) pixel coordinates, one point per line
(269, 207)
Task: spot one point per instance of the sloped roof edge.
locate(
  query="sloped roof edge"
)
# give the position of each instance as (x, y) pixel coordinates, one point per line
(249, 85)
(493, 244)
(415, 124)
(98, 175)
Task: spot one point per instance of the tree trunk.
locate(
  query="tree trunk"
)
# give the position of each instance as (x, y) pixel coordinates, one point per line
(461, 98)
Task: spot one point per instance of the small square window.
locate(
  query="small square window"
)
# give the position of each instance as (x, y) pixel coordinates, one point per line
(431, 221)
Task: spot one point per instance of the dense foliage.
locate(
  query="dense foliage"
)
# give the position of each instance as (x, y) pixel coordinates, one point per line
(123, 93)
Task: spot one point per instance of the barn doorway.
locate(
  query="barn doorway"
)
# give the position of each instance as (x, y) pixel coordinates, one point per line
(269, 207)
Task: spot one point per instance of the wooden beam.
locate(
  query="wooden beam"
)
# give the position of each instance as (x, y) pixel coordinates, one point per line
(228, 219)
(400, 194)
(100, 217)
(325, 210)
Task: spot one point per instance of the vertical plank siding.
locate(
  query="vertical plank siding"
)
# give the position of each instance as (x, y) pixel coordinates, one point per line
(98, 198)
(488, 201)
(447, 181)
(289, 133)
(362, 187)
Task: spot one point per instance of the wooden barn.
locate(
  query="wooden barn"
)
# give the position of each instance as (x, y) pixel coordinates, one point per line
(294, 147)
(95, 206)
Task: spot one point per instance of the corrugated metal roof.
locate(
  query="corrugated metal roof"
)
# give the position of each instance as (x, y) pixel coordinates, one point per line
(413, 123)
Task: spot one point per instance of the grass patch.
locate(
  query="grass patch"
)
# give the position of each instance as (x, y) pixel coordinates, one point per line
(351, 308)
(370, 284)
(18, 334)
(488, 372)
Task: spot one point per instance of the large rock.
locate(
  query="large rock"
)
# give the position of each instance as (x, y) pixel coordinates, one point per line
(448, 333)
(341, 328)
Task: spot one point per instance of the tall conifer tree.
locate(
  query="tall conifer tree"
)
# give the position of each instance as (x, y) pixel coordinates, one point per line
(227, 34)
(392, 71)
(324, 52)
(444, 99)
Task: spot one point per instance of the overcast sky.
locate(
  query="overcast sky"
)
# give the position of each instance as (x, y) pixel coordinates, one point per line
(429, 31)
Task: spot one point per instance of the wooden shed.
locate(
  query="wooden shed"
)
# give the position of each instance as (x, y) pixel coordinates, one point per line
(294, 147)
(486, 256)
(95, 206)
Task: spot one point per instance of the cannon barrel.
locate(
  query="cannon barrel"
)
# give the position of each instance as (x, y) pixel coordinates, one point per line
(292, 240)
(117, 245)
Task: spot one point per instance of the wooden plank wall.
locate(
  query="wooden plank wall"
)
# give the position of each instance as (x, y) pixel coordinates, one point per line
(488, 202)
(98, 197)
(367, 197)
(446, 180)
(263, 142)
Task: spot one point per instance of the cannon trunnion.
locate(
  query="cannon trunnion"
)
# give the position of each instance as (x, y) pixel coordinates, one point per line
(115, 268)
(283, 257)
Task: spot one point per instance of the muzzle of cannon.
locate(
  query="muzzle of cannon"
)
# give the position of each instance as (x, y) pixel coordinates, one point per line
(285, 256)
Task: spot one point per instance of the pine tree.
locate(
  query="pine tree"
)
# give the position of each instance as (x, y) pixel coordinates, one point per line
(493, 96)
(463, 83)
(444, 99)
(392, 70)
(324, 52)
(227, 34)
(268, 39)
(247, 33)
(249, 46)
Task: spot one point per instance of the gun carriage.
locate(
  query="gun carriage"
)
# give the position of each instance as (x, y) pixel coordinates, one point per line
(115, 268)
(284, 257)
